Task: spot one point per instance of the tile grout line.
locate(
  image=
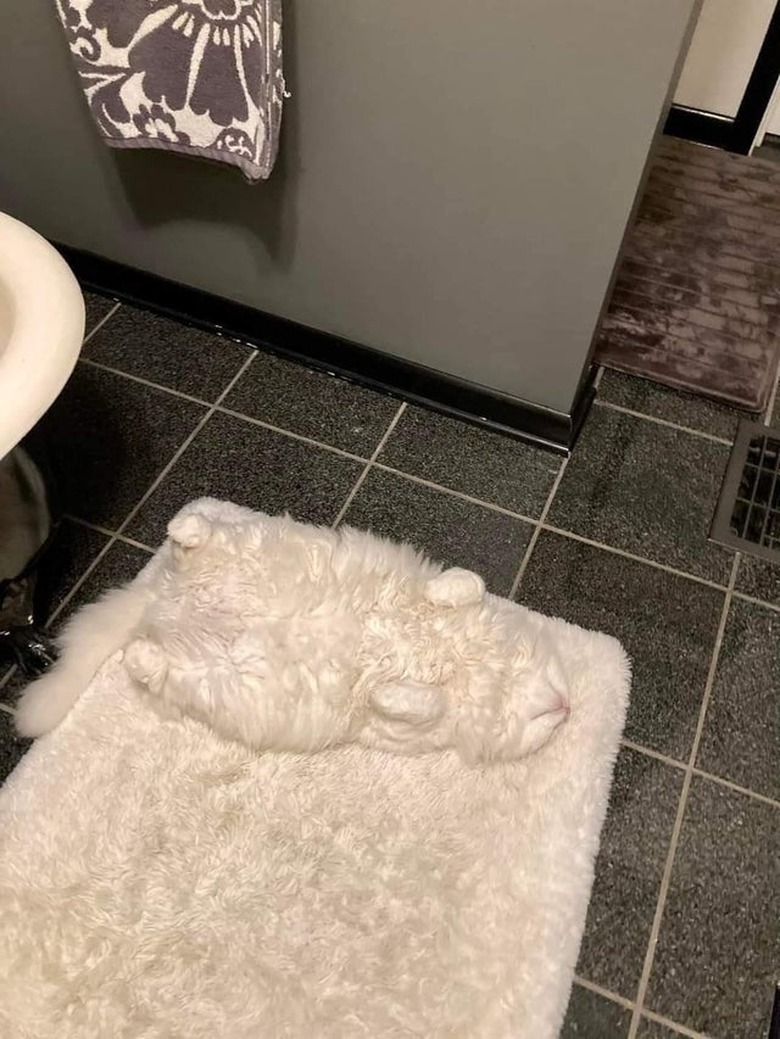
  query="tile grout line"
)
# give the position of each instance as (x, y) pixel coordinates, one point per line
(429, 483)
(224, 411)
(667, 1022)
(439, 487)
(145, 382)
(212, 407)
(362, 477)
(601, 403)
(743, 597)
(626, 1003)
(666, 877)
(655, 754)
(100, 324)
(537, 530)
(549, 527)
(723, 781)
(607, 993)
(107, 531)
(115, 536)
(730, 785)
(293, 435)
(452, 493)
(185, 444)
(151, 489)
(630, 555)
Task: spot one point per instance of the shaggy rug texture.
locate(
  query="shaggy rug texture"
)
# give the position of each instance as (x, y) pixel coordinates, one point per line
(697, 296)
(160, 880)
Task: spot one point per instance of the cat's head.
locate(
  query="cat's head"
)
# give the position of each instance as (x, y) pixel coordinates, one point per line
(504, 701)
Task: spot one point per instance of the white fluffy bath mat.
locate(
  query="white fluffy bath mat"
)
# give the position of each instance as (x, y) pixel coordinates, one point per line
(425, 874)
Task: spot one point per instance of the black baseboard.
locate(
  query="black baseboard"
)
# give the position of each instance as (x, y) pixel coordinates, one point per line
(702, 127)
(737, 134)
(404, 379)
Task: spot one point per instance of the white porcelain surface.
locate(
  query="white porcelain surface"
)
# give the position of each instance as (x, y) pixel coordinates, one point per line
(41, 328)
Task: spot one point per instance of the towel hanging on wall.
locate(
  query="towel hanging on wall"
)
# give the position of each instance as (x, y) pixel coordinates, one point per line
(200, 77)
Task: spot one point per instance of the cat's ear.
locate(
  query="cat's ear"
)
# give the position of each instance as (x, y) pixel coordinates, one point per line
(147, 664)
(188, 533)
(455, 587)
(412, 703)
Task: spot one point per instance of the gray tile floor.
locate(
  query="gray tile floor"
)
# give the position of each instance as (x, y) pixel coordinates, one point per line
(682, 937)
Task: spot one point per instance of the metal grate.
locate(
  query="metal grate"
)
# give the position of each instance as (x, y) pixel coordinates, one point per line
(748, 512)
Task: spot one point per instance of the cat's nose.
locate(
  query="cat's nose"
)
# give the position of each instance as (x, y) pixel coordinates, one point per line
(563, 706)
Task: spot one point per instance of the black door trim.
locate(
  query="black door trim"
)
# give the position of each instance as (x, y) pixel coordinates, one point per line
(737, 134)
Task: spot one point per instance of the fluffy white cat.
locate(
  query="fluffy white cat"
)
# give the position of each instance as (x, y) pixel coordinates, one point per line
(291, 637)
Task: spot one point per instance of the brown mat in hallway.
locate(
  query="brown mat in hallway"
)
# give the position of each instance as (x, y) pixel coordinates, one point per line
(696, 303)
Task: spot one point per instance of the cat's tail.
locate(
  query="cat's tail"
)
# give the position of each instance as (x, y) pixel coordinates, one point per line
(87, 640)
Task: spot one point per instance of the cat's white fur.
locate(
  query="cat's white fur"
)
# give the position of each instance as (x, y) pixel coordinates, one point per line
(292, 637)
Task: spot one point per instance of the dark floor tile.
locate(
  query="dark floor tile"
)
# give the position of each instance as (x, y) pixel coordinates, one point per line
(740, 737)
(252, 466)
(634, 845)
(13, 686)
(668, 625)
(70, 553)
(109, 438)
(651, 398)
(485, 465)
(653, 1030)
(12, 747)
(119, 565)
(718, 954)
(66, 557)
(97, 307)
(313, 404)
(645, 488)
(591, 1016)
(759, 578)
(166, 352)
(451, 531)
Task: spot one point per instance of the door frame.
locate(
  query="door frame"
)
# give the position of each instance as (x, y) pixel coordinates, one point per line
(737, 134)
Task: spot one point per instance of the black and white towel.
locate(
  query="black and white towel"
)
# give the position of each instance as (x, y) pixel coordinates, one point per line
(200, 77)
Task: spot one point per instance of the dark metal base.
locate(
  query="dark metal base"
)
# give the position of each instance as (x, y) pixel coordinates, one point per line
(31, 649)
(28, 519)
(748, 511)
(405, 379)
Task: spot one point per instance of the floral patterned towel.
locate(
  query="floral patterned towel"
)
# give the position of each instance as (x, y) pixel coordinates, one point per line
(202, 77)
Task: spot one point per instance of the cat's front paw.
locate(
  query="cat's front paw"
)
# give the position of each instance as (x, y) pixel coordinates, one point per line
(189, 531)
(455, 587)
(146, 663)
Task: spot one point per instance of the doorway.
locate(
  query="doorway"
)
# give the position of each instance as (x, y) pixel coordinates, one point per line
(727, 93)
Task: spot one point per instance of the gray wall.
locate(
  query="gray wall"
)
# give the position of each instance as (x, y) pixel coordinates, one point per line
(454, 183)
